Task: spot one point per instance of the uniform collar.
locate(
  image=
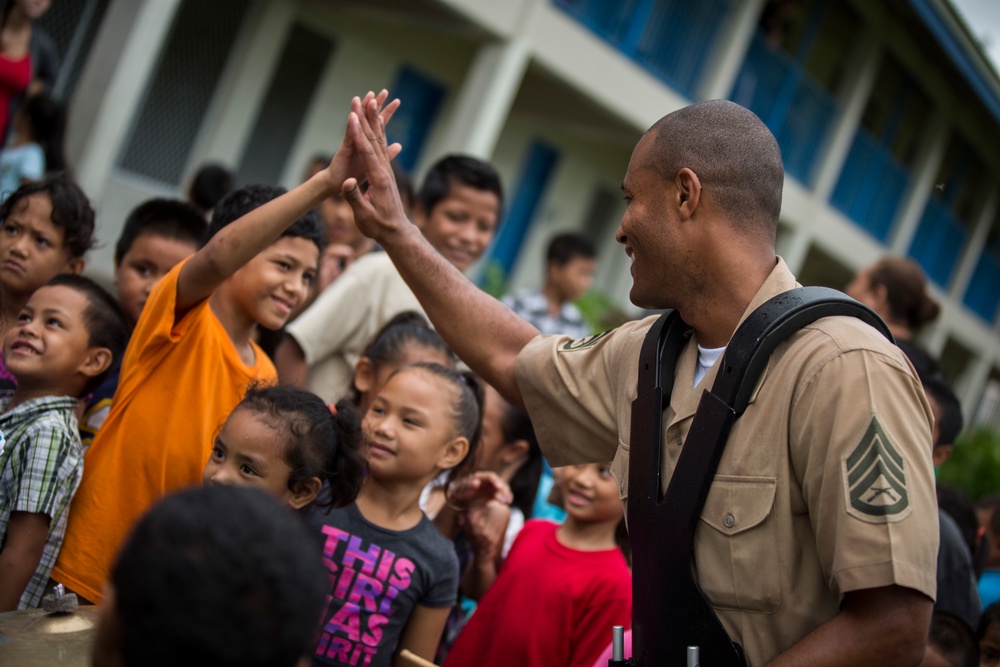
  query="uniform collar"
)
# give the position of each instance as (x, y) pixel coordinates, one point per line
(684, 401)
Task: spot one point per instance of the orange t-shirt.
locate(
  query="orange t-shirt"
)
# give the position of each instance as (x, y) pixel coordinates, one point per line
(179, 381)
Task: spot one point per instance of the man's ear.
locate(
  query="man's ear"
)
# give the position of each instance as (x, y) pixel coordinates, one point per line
(453, 454)
(688, 191)
(305, 493)
(76, 265)
(98, 360)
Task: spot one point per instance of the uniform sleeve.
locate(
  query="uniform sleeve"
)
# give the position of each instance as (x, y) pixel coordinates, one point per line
(572, 388)
(49, 458)
(336, 316)
(861, 446)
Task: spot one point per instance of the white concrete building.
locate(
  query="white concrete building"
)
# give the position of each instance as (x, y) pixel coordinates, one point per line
(887, 113)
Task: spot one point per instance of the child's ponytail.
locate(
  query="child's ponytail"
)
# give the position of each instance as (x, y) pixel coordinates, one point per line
(345, 464)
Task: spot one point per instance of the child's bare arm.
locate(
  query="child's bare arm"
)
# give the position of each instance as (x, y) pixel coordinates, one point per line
(422, 633)
(239, 242)
(27, 533)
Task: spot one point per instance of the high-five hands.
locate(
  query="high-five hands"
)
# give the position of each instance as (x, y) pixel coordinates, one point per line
(347, 163)
(378, 212)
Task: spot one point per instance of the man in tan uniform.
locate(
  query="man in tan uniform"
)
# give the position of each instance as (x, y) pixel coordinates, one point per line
(818, 541)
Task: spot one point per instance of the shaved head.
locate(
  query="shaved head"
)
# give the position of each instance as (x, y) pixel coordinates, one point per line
(735, 156)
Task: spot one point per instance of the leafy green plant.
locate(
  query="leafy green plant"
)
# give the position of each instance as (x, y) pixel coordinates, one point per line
(974, 465)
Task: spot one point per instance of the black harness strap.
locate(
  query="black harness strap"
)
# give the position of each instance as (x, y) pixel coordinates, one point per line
(670, 612)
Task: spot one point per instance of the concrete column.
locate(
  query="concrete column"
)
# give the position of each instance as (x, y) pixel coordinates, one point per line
(107, 98)
(975, 386)
(926, 170)
(731, 46)
(974, 247)
(797, 248)
(854, 94)
(485, 100)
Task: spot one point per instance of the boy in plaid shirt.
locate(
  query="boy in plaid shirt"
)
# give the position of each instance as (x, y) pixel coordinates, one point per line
(60, 348)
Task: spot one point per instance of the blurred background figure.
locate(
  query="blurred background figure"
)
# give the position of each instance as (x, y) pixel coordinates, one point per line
(211, 183)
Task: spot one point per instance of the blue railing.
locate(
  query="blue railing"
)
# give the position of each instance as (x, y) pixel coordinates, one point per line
(871, 185)
(670, 38)
(797, 109)
(983, 294)
(938, 242)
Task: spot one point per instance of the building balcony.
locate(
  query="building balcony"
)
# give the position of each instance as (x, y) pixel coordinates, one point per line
(871, 186)
(671, 39)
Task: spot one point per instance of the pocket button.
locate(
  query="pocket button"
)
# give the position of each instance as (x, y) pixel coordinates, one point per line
(729, 521)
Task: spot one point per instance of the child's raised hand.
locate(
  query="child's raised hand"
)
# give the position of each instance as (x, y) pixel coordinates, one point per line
(346, 162)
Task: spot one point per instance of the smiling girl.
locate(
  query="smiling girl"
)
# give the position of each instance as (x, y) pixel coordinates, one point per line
(393, 576)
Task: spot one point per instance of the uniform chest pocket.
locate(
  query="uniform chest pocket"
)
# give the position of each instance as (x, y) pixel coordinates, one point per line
(736, 545)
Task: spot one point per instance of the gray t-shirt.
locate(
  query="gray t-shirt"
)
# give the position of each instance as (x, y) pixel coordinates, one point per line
(377, 577)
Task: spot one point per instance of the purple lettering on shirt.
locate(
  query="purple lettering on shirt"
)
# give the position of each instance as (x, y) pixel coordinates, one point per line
(367, 589)
(367, 557)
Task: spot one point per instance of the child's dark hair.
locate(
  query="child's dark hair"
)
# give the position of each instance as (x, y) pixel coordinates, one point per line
(217, 576)
(71, 210)
(210, 184)
(48, 128)
(563, 248)
(516, 425)
(320, 443)
(406, 328)
(953, 639)
(238, 203)
(466, 411)
(458, 170)
(990, 616)
(103, 317)
(169, 218)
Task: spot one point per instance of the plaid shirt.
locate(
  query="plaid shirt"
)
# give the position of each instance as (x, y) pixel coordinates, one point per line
(532, 305)
(41, 462)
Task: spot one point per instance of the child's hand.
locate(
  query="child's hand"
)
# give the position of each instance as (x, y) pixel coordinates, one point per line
(478, 489)
(485, 527)
(346, 162)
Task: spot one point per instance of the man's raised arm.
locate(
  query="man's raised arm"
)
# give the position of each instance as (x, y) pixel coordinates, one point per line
(483, 332)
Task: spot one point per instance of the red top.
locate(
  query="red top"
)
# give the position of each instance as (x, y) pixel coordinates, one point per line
(15, 75)
(550, 605)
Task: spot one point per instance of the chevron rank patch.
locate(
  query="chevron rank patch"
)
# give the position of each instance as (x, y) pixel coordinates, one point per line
(584, 343)
(876, 479)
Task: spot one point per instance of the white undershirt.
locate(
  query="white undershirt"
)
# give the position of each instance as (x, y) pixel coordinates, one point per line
(706, 359)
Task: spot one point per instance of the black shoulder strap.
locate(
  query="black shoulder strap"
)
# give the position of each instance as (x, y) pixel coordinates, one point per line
(670, 612)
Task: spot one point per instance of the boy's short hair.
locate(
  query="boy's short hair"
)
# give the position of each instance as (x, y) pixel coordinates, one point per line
(458, 170)
(239, 202)
(564, 248)
(71, 210)
(169, 218)
(953, 640)
(210, 184)
(103, 317)
(218, 576)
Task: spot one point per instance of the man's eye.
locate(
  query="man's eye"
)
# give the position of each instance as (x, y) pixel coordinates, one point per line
(247, 470)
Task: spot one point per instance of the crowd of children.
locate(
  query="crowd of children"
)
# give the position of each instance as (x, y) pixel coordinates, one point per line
(414, 480)
(410, 494)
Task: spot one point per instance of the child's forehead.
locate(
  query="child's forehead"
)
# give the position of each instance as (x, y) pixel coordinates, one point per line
(35, 210)
(62, 297)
